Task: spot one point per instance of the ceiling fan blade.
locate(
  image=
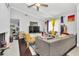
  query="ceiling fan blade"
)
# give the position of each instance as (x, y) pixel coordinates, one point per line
(31, 5)
(45, 5)
(37, 8)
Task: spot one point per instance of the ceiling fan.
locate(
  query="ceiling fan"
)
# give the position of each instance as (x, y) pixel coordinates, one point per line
(38, 5)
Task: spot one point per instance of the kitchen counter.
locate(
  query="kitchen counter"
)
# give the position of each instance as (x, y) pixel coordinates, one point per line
(54, 47)
(51, 40)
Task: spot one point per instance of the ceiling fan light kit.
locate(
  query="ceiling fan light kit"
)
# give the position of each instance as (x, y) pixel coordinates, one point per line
(38, 5)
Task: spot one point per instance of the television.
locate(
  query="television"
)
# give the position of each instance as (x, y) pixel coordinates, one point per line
(34, 29)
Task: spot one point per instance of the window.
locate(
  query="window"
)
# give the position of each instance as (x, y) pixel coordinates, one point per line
(56, 27)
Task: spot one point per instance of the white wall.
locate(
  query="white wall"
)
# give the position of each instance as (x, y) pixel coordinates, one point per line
(5, 20)
(24, 20)
(78, 25)
(71, 26)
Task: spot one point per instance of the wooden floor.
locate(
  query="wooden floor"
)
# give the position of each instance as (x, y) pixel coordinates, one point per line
(23, 50)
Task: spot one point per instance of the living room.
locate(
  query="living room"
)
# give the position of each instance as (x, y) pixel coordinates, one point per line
(45, 22)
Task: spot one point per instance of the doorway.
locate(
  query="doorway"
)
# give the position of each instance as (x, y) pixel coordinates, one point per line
(14, 29)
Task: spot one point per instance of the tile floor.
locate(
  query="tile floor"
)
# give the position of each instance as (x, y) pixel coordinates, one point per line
(74, 52)
(13, 50)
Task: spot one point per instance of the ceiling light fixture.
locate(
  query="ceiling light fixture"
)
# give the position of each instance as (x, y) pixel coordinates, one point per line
(38, 5)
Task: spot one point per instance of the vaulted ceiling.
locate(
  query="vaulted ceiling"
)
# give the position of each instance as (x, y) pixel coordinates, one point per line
(52, 10)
